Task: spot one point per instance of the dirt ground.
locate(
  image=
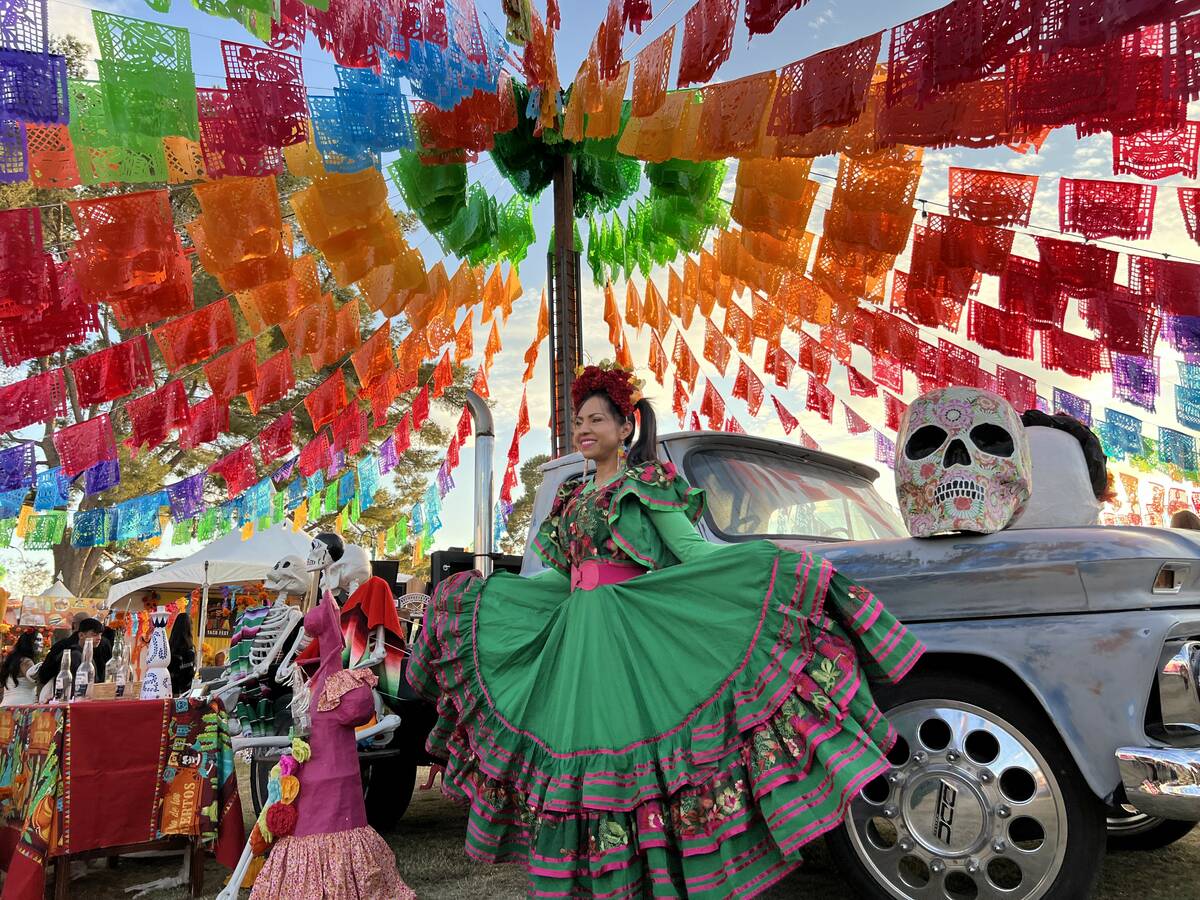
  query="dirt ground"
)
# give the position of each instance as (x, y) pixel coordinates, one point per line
(429, 854)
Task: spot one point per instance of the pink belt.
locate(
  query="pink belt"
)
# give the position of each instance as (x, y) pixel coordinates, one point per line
(591, 573)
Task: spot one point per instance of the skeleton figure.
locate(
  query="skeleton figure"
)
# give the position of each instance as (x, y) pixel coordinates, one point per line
(963, 463)
(327, 548)
(285, 578)
(326, 551)
(347, 573)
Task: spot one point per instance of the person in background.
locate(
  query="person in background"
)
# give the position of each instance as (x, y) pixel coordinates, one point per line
(183, 655)
(87, 630)
(18, 672)
(103, 652)
(1185, 518)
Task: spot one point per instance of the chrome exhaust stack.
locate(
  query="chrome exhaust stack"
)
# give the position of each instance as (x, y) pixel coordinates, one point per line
(485, 447)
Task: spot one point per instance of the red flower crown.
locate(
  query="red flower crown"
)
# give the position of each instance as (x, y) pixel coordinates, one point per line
(619, 384)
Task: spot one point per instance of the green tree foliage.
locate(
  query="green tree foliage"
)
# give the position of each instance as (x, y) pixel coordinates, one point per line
(522, 512)
(78, 54)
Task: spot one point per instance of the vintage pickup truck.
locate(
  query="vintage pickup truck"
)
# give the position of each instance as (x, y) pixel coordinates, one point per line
(1059, 689)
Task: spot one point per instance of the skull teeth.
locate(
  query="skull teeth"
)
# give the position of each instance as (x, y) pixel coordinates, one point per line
(955, 489)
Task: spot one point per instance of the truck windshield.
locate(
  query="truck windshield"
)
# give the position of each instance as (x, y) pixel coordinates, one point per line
(752, 494)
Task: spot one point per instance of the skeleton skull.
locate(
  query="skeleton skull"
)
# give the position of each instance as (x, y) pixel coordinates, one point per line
(287, 575)
(326, 549)
(345, 575)
(963, 463)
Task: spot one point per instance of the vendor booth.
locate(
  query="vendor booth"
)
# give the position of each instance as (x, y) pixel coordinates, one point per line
(51, 612)
(212, 585)
(62, 796)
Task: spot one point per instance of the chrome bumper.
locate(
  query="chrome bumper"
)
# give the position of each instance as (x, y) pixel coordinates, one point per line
(1162, 781)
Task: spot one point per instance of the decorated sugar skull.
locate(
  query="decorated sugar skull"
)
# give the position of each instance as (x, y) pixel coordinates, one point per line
(287, 575)
(962, 463)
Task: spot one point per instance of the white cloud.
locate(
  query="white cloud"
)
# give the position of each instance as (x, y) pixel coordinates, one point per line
(75, 20)
(823, 18)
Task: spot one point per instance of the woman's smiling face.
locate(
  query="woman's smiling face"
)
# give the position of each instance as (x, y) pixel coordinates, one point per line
(598, 433)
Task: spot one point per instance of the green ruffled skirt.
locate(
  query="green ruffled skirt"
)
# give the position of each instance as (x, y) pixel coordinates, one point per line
(682, 734)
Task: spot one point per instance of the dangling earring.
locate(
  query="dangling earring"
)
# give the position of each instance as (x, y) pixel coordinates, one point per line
(620, 456)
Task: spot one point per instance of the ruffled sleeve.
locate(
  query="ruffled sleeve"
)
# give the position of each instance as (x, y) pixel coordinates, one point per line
(646, 489)
(548, 543)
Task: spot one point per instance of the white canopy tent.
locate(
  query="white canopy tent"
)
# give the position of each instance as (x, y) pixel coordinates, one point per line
(58, 590)
(229, 560)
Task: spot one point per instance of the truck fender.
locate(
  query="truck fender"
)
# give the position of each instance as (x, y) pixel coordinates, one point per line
(1090, 675)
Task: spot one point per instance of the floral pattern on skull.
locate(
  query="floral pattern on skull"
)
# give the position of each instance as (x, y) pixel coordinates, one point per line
(962, 463)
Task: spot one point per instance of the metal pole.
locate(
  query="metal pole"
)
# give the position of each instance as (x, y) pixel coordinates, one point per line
(203, 623)
(485, 443)
(565, 334)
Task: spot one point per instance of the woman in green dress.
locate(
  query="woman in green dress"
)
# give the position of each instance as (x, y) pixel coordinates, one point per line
(653, 715)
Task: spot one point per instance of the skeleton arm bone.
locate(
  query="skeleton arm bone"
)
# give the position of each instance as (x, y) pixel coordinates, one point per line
(230, 891)
(286, 622)
(375, 651)
(284, 673)
(386, 725)
(293, 617)
(270, 740)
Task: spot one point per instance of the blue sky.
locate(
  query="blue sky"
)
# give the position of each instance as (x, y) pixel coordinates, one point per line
(819, 25)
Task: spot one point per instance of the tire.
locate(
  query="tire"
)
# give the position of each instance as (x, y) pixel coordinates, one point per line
(1131, 830)
(983, 802)
(261, 762)
(388, 784)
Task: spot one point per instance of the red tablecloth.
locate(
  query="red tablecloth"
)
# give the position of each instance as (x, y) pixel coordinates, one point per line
(99, 774)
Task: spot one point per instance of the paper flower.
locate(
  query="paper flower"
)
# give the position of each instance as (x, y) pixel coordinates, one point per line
(281, 819)
(263, 827)
(622, 388)
(289, 788)
(300, 750)
(258, 844)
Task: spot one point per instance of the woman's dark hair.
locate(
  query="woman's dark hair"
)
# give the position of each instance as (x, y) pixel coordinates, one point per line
(182, 667)
(1093, 450)
(642, 444)
(24, 648)
(1185, 518)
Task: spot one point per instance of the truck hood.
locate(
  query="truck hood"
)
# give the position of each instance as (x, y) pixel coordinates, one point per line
(1036, 571)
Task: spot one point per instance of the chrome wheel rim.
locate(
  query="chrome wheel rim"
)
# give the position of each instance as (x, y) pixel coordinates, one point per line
(969, 811)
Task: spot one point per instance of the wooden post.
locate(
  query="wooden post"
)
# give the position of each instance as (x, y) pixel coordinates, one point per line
(566, 337)
(62, 877)
(196, 869)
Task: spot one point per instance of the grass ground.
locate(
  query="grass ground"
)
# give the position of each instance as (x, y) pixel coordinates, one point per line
(429, 854)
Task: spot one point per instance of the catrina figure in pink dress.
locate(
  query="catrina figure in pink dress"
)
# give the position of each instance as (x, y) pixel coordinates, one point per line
(321, 847)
